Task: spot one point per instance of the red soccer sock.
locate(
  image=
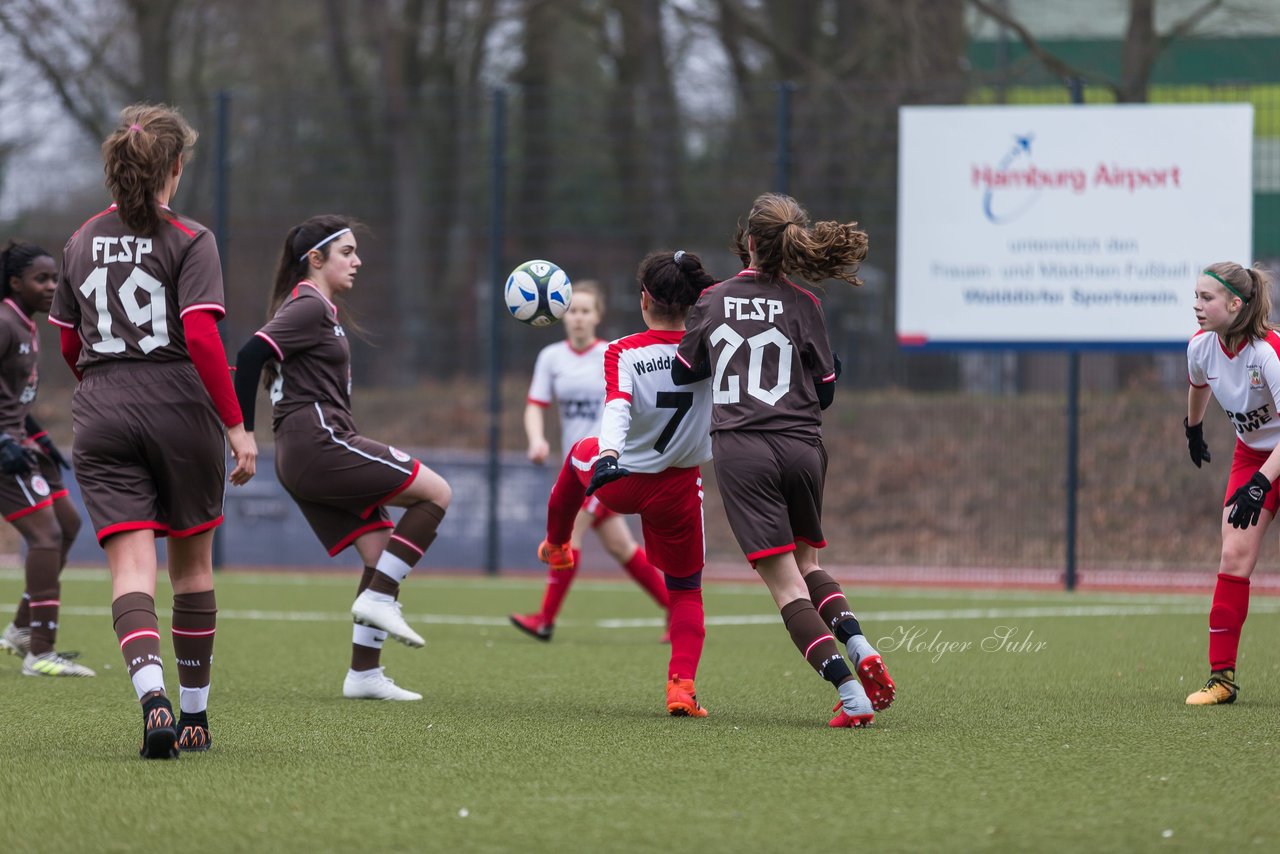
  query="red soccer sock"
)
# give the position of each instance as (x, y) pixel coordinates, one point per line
(647, 576)
(688, 631)
(564, 504)
(1226, 618)
(558, 583)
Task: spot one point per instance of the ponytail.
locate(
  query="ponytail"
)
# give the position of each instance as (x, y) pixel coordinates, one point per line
(138, 159)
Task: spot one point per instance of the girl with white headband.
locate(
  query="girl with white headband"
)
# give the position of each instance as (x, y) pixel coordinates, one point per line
(1234, 358)
(342, 481)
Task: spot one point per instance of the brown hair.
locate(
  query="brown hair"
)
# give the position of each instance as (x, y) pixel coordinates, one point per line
(786, 243)
(293, 266)
(1253, 287)
(138, 158)
(674, 281)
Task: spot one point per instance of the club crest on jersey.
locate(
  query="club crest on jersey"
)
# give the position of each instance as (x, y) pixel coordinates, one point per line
(1255, 377)
(400, 455)
(39, 485)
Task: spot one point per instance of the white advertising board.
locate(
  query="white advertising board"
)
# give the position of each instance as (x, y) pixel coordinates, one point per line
(1066, 225)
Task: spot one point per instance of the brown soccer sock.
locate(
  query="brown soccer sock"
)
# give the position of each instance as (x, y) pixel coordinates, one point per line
(815, 644)
(828, 597)
(22, 617)
(42, 568)
(134, 618)
(195, 618)
(364, 656)
(413, 535)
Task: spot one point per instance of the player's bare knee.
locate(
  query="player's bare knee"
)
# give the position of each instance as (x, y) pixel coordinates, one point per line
(440, 493)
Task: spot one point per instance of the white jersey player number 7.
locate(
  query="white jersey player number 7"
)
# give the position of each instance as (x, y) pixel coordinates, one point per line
(651, 422)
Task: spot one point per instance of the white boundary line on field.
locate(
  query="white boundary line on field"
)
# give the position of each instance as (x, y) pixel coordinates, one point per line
(878, 617)
(714, 588)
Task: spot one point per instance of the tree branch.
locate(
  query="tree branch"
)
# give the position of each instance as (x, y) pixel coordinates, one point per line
(1052, 63)
(1189, 23)
(88, 116)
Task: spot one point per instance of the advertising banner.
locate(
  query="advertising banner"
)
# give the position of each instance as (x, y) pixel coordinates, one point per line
(1066, 226)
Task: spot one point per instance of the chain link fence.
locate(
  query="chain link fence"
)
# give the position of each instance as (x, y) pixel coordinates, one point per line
(937, 459)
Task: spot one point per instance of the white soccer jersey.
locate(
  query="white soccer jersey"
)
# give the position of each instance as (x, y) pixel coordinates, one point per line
(1246, 384)
(653, 423)
(574, 379)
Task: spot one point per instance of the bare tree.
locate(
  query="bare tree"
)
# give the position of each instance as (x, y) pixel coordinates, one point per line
(95, 56)
(408, 74)
(1142, 46)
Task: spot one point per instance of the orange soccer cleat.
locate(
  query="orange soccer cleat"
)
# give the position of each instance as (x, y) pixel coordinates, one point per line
(557, 557)
(1220, 690)
(682, 699)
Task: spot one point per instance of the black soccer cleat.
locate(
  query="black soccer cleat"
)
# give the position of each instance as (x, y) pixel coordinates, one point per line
(193, 732)
(159, 735)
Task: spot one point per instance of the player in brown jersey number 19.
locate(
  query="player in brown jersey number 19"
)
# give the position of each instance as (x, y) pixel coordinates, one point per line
(341, 481)
(32, 497)
(765, 339)
(137, 302)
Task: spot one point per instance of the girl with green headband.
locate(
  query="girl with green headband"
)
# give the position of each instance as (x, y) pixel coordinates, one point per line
(1236, 359)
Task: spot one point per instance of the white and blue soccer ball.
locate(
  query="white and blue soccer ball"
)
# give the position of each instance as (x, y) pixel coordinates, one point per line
(538, 293)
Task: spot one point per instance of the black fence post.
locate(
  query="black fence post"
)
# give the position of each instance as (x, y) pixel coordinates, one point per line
(221, 220)
(497, 235)
(1076, 87)
(782, 177)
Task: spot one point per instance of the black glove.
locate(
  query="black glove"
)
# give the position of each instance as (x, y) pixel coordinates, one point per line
(14, 459)
(1196, 444)
(606, 470)
(835, 357)
(51, 451)
(1248, 501)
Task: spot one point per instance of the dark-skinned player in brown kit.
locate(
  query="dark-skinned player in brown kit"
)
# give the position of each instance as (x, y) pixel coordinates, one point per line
(764, 342)
(32, 497)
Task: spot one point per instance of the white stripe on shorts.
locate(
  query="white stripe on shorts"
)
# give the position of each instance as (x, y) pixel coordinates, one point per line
(356, 451)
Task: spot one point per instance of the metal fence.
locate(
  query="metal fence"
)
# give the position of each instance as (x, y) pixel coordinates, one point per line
(938, 459)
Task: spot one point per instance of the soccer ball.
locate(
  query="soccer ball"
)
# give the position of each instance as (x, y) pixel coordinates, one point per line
(538, 293)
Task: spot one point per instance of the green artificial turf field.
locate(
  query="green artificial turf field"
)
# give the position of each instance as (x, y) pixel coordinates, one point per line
(1074, 736)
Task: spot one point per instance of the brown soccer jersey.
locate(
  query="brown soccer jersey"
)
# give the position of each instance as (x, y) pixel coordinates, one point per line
(126, 294)
(767, 342)
(19, 375)
(314, 354)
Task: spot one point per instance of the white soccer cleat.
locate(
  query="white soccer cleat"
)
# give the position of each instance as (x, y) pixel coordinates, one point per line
(374, 685)
(381, 611)
(52, 664)
(15, 641)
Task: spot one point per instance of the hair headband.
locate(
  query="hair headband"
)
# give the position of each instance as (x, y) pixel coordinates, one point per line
(333, 236)
(676, 257)
(1226, 285)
